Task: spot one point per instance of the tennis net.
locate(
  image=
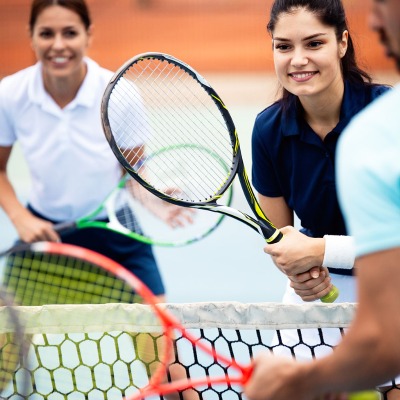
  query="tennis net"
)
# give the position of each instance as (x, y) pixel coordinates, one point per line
(86, 352)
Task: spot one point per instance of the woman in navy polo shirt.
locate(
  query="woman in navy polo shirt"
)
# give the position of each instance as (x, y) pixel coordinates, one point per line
(294, 142)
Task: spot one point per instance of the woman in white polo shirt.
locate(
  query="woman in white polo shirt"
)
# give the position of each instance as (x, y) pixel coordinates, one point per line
(53, 110)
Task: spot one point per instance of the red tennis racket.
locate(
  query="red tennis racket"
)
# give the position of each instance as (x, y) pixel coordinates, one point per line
(58, 273)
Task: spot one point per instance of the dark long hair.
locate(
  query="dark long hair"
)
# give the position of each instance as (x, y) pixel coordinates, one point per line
(330, 13)
(78, 6)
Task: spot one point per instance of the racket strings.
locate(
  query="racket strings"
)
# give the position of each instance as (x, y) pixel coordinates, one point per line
(173, 118)
(65, 274)
(134, 209)
(163, 167)
(178, 178)
(185, 99)
(121, 207)
(187, 95)
(177, 103)
(39, 278)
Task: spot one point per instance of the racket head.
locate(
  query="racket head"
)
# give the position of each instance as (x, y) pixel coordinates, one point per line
(58, 273)
(155, 101)
(13, 348)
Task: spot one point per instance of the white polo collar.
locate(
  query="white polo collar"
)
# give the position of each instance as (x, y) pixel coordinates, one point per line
(85, 97)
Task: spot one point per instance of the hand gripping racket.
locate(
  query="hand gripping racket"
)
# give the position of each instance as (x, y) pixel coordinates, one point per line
(135, 212)
(58, 273)
(156, 101)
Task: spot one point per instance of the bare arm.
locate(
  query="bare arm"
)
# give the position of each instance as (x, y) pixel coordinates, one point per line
(29, 227)
(8, 199)
(368, 356)
(370, 352)
(276, 209)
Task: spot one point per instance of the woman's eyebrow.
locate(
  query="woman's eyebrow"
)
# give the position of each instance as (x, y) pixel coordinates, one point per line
(304, 39)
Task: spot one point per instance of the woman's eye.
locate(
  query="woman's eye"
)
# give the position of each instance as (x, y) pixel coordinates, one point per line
(45, 34)
(315, 44)
(282, 47)
(70, 34)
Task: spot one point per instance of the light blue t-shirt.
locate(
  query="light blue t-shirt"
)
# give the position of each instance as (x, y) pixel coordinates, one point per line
(368, 175)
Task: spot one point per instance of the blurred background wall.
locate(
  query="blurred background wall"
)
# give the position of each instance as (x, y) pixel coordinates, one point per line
(211, 35)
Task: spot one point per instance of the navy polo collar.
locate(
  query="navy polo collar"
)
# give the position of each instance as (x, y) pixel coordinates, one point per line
(353, 102)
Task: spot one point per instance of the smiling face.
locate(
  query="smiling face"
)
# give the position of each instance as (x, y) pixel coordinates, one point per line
(60, 40)
(307, 53)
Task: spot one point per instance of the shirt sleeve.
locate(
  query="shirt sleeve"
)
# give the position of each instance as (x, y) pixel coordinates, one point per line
(7, 132)
(264, 178)
(368, 174)
(127, 116)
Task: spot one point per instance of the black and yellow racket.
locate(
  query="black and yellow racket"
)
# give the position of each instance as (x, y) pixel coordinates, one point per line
(181, 111)
(135, 212)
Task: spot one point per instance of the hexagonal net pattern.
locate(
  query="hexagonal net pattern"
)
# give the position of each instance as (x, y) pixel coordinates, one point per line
(88, 351)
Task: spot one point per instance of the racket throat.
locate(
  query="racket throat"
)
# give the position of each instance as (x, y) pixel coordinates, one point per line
(233, 213)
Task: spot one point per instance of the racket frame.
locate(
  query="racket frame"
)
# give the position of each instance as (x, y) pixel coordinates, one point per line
(262, 224)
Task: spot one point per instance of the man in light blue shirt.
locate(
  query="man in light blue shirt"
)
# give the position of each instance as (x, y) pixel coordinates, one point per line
(368, 172)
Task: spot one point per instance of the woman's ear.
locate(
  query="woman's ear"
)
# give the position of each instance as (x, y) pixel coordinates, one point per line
(343, 44)
(90, 35)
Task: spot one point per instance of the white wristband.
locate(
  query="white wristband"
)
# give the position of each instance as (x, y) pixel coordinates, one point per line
(339, 252)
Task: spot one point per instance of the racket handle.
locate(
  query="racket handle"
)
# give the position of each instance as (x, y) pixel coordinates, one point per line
(65, 227)
(274, 237)
(331, 296)
(365, 395)
(271, 234)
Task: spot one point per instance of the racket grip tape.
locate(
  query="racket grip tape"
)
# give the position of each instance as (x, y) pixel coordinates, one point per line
(271, 235)
(331, 296)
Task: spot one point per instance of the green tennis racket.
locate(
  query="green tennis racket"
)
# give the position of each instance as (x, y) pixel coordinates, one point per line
(135, 212)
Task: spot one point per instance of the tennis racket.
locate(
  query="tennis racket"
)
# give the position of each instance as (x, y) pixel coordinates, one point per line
(181, 110)
(58, 273)
(135, 212)
(13, 348)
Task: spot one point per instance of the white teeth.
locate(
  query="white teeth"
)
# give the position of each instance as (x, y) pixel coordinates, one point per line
(60, 59)
(302, 76)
